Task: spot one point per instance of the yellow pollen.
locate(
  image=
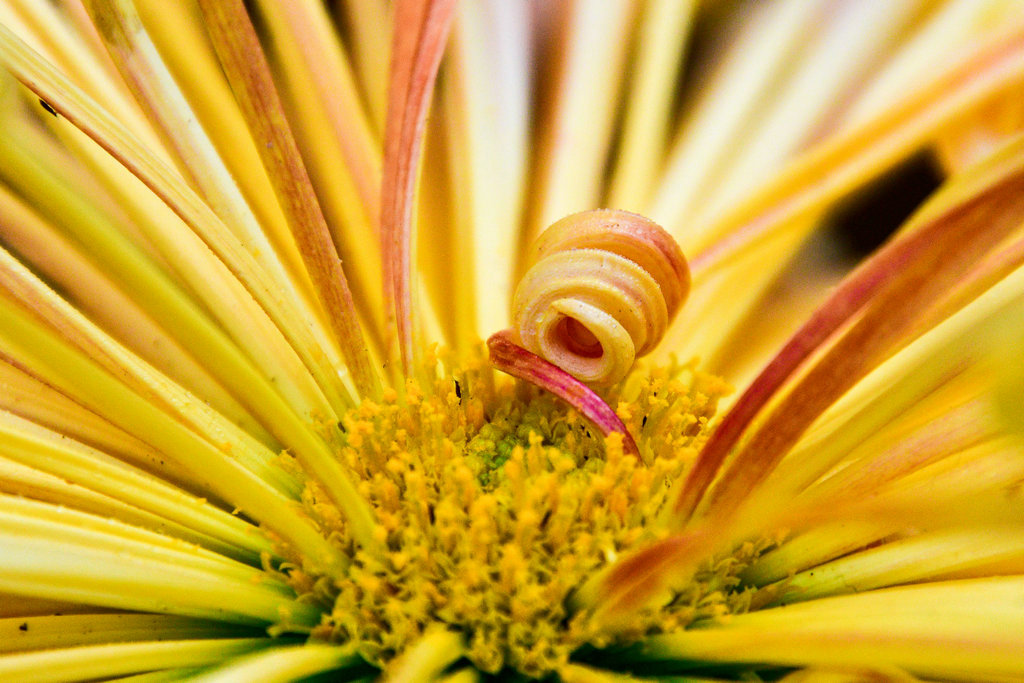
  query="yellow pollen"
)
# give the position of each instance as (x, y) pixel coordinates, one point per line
(494, 501)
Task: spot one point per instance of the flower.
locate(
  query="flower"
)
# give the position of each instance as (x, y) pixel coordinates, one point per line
(249, 428)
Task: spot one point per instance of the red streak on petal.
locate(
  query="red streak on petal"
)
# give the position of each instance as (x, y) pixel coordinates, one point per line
(988, 272)
(637, 579)
(851, 295)
(421, 30)
(513, 359)
(248, 73)
(894, 288)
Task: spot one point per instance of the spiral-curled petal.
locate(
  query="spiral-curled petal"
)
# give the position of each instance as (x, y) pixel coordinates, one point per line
(601, 291)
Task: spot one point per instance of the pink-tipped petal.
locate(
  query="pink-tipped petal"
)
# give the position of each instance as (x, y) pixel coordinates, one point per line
(509, 357)
(421, 29)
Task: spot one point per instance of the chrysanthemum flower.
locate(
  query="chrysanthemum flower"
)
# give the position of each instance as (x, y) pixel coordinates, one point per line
(296, 379)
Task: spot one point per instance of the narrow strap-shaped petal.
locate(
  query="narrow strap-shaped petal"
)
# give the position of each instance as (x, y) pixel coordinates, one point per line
(56, 553)
(957, 629)
(341, 152)
(78, 467)
(660, 43)
(912, 263)
(177, 309)
(420, 30)
(284, 664)
(24, 633)
(73, 373)
(62, 95)
(486, 94)
(106, 661)
(727, 101)
(958, 238)
(426, 658)
(582, 72)
(182, 126)
(908, 560)
(945, 359)
(134, 54)
(133, 371)
(31, 399)
(509, 357)
(827, 172)
(368, 22)
(247, 70)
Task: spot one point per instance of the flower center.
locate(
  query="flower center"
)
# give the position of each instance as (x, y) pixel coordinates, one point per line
(494, 501)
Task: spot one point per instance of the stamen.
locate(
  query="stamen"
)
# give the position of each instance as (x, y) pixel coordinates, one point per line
(495, 503)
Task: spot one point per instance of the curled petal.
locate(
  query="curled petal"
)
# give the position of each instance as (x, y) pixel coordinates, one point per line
(602, 289)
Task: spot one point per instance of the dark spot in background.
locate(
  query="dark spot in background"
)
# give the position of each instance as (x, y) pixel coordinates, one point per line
(865, 220)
